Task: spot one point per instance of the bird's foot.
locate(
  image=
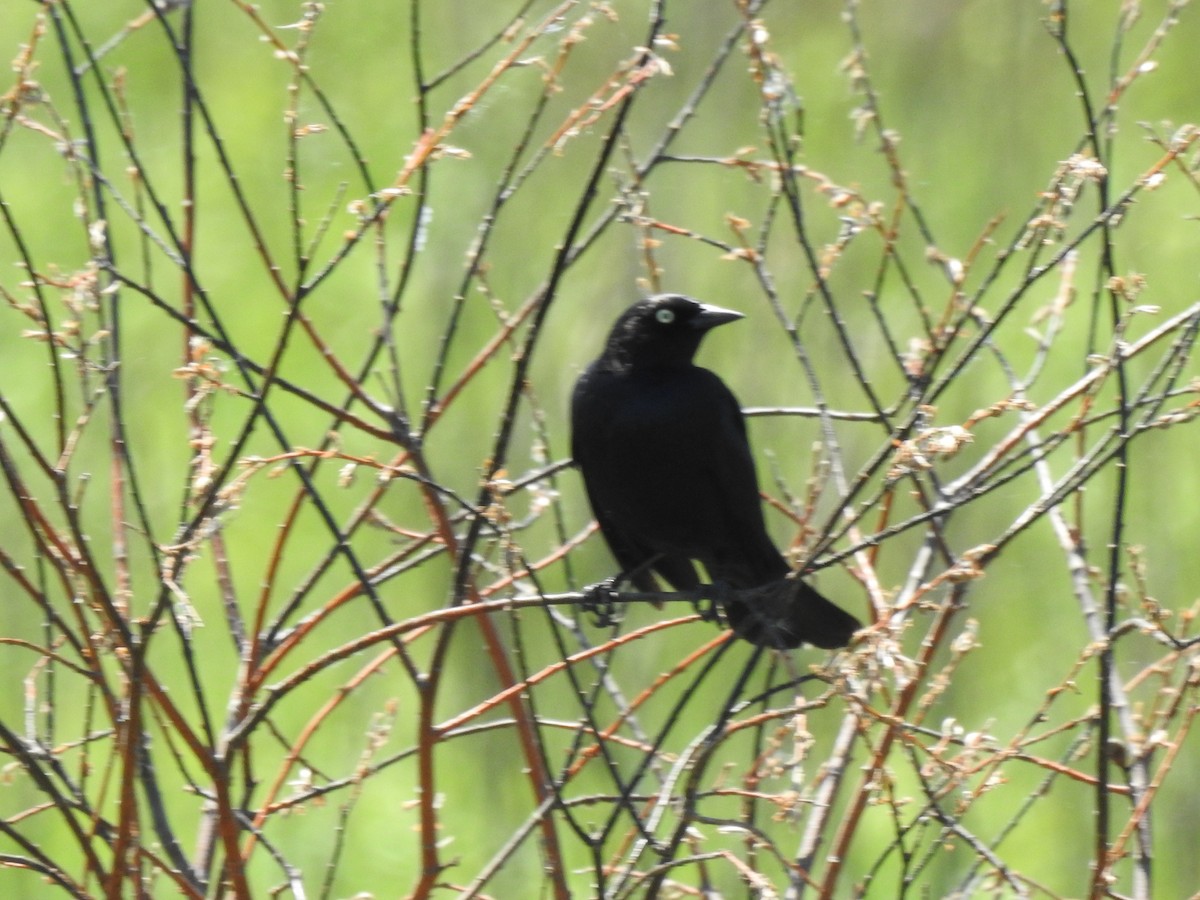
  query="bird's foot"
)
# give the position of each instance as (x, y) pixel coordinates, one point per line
(710, 605)
(602, 602)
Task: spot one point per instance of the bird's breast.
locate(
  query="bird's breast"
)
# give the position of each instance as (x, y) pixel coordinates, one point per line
(645, 446)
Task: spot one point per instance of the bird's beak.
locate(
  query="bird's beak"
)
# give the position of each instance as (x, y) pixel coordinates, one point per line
(712, 316)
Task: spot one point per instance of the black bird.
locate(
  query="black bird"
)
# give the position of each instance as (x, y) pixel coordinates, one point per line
(662, 446)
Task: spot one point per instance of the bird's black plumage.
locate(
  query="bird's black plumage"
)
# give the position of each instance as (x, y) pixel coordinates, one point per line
(662, 446)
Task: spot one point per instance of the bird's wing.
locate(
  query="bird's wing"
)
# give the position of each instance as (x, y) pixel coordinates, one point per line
(745, 554)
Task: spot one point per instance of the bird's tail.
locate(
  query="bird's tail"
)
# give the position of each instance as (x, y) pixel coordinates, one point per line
(785, 613)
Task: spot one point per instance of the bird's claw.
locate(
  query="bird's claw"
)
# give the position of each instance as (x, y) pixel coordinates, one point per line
(601, 601)
(712, 602)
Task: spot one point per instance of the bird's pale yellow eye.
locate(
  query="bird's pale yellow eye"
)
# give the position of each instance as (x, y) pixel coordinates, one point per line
(665, 316)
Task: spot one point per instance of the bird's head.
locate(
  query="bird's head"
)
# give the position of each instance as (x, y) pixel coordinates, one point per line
(663, 332)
